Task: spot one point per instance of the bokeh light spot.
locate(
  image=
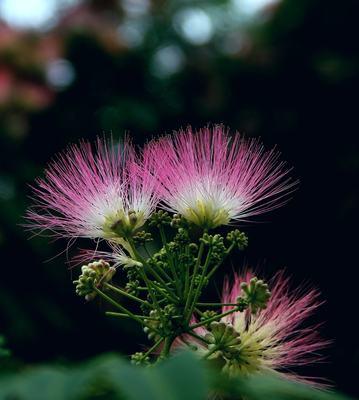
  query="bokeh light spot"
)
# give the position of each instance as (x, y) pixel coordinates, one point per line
(132, 33)
(167, 60)
(194, 25)
(32, 14)
(60, 73)
(135, 8)
(251, 7)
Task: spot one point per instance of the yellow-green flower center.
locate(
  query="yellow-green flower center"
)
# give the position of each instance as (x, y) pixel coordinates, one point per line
(123, 224)
(206, 214)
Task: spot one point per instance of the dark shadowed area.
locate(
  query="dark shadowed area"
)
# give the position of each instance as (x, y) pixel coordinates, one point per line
(284, 71)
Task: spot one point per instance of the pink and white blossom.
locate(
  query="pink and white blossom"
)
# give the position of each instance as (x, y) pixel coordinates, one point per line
(100, 192)
(276, 338)
(212, 178)
(116, 256)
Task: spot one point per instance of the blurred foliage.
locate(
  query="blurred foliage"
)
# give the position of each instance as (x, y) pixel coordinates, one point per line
(184, 377)
(4, 352)
(289, 75)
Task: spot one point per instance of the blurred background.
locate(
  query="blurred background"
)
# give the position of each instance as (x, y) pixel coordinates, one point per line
(285, 71)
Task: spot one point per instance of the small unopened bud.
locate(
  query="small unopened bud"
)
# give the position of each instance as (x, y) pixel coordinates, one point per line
(238, 238)
(256, 293)
(223, 338)
(224, 333)
(140, 359)
(160, 218)
(95, 274)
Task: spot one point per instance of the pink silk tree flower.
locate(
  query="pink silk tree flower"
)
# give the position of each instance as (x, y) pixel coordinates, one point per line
(212, 178)
(117, 257)
(102, 192)
(274, 339)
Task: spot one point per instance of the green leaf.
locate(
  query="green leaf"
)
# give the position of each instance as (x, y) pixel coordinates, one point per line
(260, 387)
(4, 352)
(183, 377)
(41, 384)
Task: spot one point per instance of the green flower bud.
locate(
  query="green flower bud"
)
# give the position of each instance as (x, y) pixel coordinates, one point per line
(193, 248)
(239, 238)
(152, 325)
(178, 222)
(132, 287)
(216, 246)
(160, 218)
(95, 274)
(139, 358)
(256, 293)
(208, 314)
(224, 338)
(142, 237)
(182, 237)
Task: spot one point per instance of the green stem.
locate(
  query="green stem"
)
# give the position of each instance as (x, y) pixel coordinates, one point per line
(165, 293)
(210, 352)
(136, 254)
(167, 346)
(114, 303)
(164, 273)
(198, 337)
(158, 277)
(214, 269)
(146, 250)
(200, 285)
(215, 318)
(198, 311)
(216, 304)
(130, 296)
(150, 291)
(122, 315)
(154, 347)
(195, 271)
(170, 259)
(151, 270)
(186, 276)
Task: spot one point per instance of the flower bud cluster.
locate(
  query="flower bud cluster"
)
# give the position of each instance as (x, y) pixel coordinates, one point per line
(142, 237)
(161, 324)
(223, 339)
(256, 293)
(238, 238)
(215, 243)
(178, 221)
(140, 358)
(95, 274)
(207, 315)
(160, 218)
(132, 287)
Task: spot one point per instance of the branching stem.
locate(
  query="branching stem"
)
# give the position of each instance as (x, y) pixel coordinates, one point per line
(215, 318)
(117, 305)
(130, 296)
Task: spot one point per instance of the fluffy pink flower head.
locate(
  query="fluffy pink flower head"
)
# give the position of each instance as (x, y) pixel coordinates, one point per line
(273, 339)
(100, 192)
(211, 178)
